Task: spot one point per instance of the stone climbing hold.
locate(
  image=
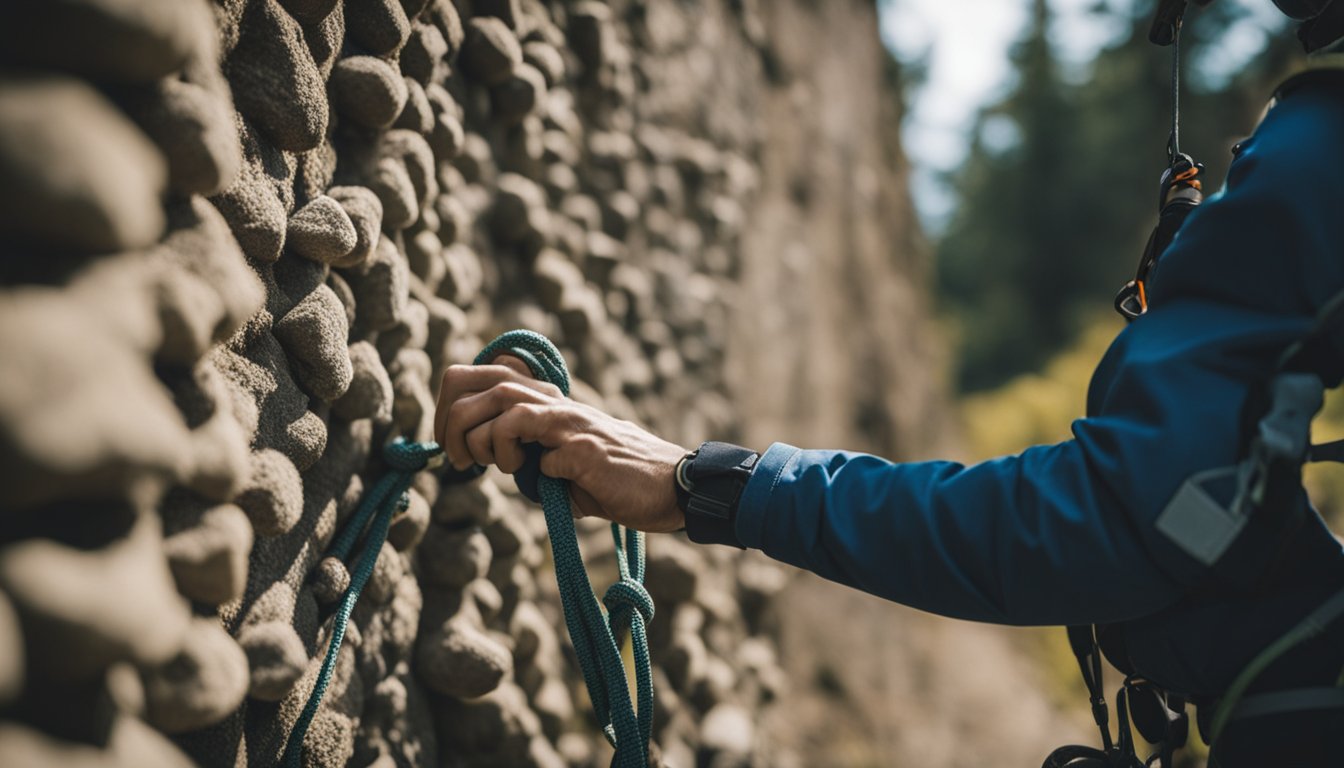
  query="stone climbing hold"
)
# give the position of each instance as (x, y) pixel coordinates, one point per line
(424, 53)
(275, 81)
(411, 149)
(194, 129)
(313, 334)
(378, 26)
(382, 287)
(453, 558)
(443, 14)
(391, 182)
(446, 137)
(408, 528)
(460, 503)
(533, 637)
(112, 428)
(424, 255)
(417, 115)
(491, 51)
(412, 402)
(124, 41)
(488, 600)
(199, 243)
(500, 727)
(73, 609)
(370, 393)
(553, 276)
(201, 685)
(78, 175)
(322, 231)
(189, 311)
(273, 499)
(366, 213)
(673, 572)
(254, 365)
(726, 732)
(325, 40)
(547, 60)
(209, 559)
(464, 276)
(457, 659)
(519, 212)
(387, 571)
(275, 658)
(330, 580)
(219, 464)
(293, 280)
(367, 91)
(518, 96)
(255, 214)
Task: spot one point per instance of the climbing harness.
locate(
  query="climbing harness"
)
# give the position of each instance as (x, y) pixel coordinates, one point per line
(595, 634)
(1237, 521)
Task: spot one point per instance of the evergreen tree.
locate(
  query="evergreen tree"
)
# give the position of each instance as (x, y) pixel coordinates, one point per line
(1009, 255)
(1053, 219)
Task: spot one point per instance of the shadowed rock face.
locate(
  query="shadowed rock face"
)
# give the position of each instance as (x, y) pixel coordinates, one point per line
(243, 239)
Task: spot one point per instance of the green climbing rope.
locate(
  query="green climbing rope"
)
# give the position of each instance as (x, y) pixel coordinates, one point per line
(379, 504)
(595, 635)
(629, 606)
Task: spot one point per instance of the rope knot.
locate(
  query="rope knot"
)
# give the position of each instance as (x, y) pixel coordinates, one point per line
(404, 456)
(626, 597)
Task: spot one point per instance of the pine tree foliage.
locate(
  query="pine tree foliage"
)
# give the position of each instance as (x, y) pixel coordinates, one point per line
(1059, 188)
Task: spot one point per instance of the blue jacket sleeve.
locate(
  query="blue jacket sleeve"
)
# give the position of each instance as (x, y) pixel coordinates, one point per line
(1064, 534)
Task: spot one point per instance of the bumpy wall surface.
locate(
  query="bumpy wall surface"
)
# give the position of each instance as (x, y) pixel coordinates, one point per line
(241, 241)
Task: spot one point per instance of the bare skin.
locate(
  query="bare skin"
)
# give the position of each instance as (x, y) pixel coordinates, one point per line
(617, 470)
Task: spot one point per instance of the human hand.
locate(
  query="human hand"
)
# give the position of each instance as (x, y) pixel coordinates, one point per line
(617, 470)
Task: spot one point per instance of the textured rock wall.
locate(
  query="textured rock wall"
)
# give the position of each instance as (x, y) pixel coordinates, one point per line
(241, 240)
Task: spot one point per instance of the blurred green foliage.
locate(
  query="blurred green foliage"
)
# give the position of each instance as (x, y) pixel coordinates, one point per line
(1059, 189)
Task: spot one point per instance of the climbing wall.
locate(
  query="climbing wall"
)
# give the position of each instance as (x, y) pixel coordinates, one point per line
(241, 241)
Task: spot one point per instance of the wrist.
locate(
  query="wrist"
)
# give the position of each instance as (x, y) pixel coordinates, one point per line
(709, 483)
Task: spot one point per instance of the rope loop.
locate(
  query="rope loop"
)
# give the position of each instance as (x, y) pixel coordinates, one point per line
(626, 597)
(594, 634)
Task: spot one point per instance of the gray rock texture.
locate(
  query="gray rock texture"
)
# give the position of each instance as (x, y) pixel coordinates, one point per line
(243, 239)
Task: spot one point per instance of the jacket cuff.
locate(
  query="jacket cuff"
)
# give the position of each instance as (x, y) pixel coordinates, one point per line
(753, 506)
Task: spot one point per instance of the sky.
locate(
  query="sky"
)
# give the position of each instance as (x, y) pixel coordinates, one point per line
(965, 45)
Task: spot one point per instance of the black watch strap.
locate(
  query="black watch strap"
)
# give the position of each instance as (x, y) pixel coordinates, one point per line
(709, 484)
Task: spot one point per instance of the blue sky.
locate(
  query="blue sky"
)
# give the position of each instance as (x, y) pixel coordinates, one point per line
(965, 44)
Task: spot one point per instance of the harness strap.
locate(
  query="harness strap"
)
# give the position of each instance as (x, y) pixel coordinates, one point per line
(1313, 625)
(1283, 702)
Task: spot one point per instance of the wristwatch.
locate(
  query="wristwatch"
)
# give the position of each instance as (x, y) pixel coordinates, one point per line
(709, 484)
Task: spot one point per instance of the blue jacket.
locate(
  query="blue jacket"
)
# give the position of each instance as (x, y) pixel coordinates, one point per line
(1064, 534)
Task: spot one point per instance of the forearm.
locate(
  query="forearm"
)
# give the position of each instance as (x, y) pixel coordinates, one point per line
(1029, 539)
